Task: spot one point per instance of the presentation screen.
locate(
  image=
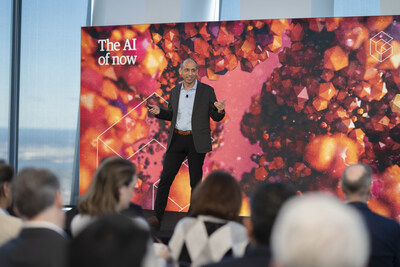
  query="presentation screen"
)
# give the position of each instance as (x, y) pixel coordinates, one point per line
(304, 99)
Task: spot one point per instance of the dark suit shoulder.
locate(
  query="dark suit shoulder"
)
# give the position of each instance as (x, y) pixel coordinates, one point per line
(384, 234)
(35, 247)
(176, 87)
(204, 86)
(385, 221)
(371, 216)
(200, 85)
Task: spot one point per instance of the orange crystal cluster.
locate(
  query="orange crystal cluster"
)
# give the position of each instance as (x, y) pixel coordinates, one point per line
(217, 47)
(331, 104)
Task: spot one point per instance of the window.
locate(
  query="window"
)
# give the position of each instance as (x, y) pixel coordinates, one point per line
(5, 72)
(50, 85)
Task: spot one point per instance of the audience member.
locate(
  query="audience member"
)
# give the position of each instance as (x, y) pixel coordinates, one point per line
(42, 242)
(10, 226)
(384, 232)
(111, 240)
(213, 232)
(110, 192)
(133, 211)
(318, 230)
(265, 205)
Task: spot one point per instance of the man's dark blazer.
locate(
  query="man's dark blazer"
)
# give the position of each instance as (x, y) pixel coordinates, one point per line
(384, 235)
(203, 109)
(35, 247)
(257, 256)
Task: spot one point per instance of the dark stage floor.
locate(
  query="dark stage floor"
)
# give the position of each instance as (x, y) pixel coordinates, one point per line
(169, 221)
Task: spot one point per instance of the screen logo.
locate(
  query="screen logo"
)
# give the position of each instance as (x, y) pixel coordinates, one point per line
(380, 47)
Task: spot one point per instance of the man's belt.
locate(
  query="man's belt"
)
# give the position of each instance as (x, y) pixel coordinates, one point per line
(182, 132)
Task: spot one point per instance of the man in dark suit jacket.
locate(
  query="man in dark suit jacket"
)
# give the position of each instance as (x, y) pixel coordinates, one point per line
(384, 232)
(191, 104)
(42, 242)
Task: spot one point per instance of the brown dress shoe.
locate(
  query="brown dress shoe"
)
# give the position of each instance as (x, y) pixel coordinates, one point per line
(154, 222)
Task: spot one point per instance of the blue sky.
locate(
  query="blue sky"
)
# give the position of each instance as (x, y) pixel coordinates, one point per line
(50, 63)
(5, 25)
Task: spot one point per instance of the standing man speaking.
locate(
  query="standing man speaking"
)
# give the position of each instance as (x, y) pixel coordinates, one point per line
(191, 104)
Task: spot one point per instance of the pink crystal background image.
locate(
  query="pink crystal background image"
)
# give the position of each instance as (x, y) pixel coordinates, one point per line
(238, 87)
(234, 154)
(286, 119)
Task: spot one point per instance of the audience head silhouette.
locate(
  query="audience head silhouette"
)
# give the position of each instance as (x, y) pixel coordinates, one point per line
(265, 205)
(317, 230)
(111, 188)
(218, 195)
(36, 191)
(356, 182)
(111, 240)
(41, 241)
(384, 232)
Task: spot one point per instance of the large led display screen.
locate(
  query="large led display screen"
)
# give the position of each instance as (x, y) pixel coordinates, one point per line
(304, 99)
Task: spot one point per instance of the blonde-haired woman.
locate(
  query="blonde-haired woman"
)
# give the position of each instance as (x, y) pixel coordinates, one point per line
(110, 191)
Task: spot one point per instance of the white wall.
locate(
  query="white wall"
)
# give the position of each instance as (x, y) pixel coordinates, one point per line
(262, 9)
(120, 12)
(390, 7)
(161, 11)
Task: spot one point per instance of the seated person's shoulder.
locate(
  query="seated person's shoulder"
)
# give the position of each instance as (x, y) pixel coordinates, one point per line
(187, 221)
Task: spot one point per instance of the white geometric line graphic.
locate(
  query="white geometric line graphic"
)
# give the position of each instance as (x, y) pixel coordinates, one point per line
(115, 152)
(173, 201)
(132, 110)
(184, 207)
(98, 137)
(380, 47)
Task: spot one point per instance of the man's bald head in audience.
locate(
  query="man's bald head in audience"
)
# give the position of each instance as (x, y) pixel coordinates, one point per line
(356, 181)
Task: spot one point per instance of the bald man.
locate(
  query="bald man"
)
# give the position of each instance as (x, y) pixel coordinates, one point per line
(384, 232)
(191, 105)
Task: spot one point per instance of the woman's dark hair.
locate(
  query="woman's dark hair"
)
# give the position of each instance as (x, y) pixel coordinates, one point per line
(218, 195)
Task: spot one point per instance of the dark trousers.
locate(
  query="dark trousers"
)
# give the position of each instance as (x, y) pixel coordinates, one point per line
(180, 147)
